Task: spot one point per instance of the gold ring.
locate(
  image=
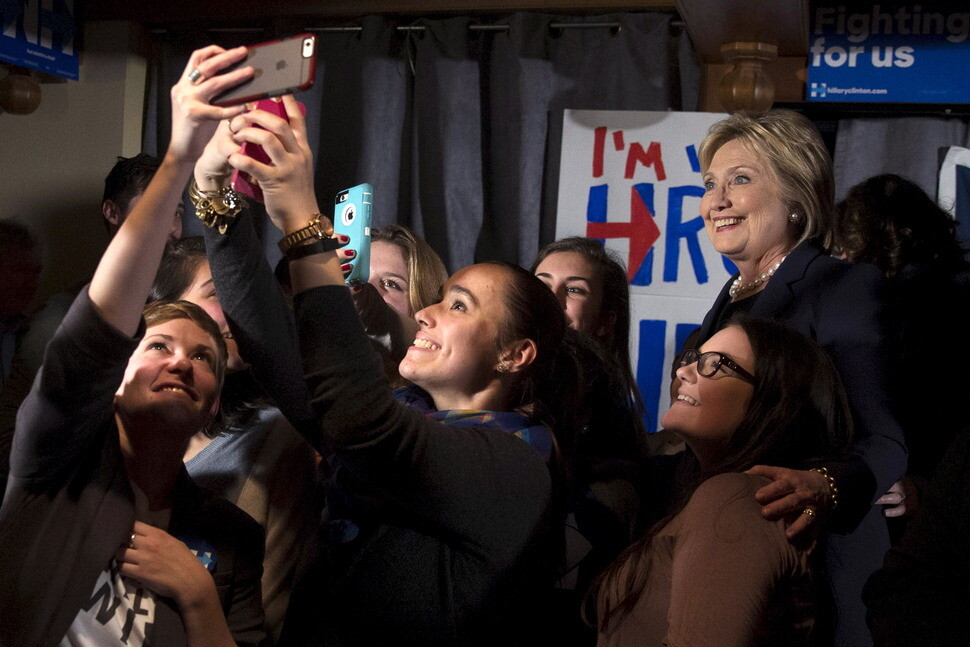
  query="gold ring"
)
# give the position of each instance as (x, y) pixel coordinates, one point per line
(809, 512)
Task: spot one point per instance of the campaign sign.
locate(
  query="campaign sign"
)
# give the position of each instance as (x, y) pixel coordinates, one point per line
(892, 52)
(40, 34)
(633, 180)
(953, 190)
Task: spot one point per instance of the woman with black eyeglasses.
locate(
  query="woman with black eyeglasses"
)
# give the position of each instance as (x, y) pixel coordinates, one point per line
(713, 571)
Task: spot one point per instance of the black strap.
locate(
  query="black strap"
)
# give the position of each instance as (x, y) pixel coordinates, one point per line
(316, 247)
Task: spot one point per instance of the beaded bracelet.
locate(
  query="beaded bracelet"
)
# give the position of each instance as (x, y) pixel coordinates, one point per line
(833, 490)
(216, 208)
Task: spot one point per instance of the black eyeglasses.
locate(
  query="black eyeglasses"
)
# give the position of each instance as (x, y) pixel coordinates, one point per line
(710, 362)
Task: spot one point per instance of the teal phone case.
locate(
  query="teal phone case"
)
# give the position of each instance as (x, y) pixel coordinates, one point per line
(352, 217)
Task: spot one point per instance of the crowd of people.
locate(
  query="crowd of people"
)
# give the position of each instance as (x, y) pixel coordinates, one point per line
(213, 451)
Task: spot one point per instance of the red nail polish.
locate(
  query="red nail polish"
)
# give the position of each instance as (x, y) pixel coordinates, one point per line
(343, 239)
(345, 267)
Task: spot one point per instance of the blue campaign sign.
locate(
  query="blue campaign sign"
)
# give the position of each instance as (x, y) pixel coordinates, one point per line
(891, 52)
(40, 34)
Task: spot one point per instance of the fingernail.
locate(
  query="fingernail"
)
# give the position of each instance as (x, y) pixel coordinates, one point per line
(348, 253)
(343, 239)
(345, 267)
(356, 289)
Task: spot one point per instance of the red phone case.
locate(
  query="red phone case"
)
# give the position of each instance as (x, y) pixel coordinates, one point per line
(242, 182)
(280, 70)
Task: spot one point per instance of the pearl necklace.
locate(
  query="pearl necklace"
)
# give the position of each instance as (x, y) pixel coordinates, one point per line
(737, 288)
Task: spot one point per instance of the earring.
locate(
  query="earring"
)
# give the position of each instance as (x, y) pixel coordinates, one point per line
(503, 367)
(793, 218)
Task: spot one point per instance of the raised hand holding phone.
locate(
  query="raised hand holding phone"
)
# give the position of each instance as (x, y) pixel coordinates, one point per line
(280, 67)
(242, 182)
(286, 179)
(194, 119)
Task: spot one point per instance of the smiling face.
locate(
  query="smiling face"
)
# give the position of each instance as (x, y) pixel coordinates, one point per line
(389, 274)
(578, 285)
(743, 210)
(455, 355)
(708, 410)
(202, 292)
(172, 376)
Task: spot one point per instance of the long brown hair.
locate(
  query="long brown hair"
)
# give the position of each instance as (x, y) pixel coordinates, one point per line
(616, 302)
(798, 412)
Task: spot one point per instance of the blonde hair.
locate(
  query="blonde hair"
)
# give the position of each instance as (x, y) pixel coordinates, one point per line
(793, 149)
(426, 272)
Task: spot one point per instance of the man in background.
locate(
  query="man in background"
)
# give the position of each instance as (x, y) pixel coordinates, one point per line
(123, 188)
(20, 268)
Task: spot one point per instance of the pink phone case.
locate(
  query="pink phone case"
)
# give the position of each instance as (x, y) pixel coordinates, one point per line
(242, 182)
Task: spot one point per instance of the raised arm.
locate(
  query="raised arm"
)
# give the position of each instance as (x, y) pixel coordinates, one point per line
(257, 311)
(287, 185)
(427, 467)
(127, 268)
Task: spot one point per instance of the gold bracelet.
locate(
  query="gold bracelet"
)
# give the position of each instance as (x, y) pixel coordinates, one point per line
(833, 491)
(216, 208)
(318, 228)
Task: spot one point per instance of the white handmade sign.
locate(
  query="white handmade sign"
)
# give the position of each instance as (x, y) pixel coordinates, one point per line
(633, 180)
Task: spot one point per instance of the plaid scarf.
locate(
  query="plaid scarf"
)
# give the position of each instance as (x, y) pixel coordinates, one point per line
(539, 437)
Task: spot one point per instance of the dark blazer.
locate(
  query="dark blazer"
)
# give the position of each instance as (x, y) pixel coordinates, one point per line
(69, 504)
(843, 307)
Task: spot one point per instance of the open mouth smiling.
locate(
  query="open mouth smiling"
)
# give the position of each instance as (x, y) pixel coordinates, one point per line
(424, 343)
(722, 223)
(686, 399)
(175, 388)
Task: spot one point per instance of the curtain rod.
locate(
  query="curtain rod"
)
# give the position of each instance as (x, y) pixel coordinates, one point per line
(414, 28)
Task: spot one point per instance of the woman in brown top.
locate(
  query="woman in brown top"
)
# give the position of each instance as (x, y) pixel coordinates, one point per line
(714, 572)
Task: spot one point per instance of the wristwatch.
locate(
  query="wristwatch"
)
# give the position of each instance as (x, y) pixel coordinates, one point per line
(319, 228)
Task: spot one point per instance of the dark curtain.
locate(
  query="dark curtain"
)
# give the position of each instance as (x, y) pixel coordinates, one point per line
(459, 129)
(907, 146)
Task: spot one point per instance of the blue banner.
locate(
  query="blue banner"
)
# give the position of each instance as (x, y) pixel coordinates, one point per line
(40, 34)
(892, 52)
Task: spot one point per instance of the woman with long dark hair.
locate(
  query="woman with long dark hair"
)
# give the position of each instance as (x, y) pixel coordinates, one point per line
(713, 572)
(591, 285)
(443, 523)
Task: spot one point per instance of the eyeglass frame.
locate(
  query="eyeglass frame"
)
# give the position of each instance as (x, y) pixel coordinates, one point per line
(722, 360)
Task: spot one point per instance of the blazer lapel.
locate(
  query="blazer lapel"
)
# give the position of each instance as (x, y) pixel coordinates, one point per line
(779, 294)
(776, 297)
(712, 316)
